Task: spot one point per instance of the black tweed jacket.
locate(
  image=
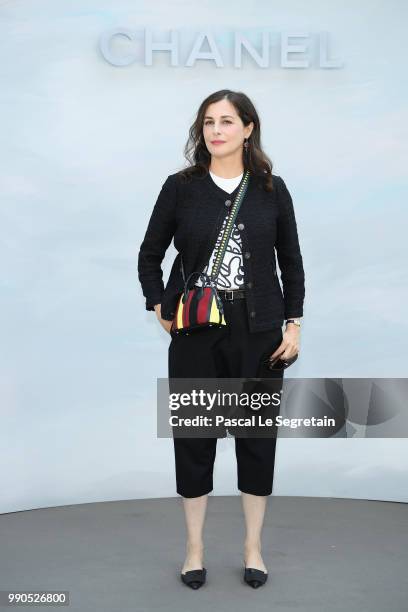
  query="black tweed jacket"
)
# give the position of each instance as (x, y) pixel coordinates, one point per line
(192, 214)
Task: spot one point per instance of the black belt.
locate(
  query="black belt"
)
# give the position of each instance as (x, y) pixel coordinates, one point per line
(231, 294)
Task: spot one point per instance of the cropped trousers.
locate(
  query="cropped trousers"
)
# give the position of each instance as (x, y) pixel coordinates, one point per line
(226, 352)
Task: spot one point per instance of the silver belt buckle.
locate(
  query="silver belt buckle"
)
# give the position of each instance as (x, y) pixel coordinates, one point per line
(231, 299)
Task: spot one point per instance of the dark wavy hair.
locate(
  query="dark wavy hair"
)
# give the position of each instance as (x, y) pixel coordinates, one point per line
(253, 158)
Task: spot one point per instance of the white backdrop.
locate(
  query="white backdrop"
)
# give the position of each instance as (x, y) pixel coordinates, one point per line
(86, 147)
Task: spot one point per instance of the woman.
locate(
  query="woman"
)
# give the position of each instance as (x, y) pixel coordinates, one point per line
(224, 142)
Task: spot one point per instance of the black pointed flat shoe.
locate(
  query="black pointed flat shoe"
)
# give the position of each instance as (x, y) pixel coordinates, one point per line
(254, 577)
(194, 578)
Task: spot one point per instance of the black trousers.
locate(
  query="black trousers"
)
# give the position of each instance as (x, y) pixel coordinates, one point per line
(231, 351)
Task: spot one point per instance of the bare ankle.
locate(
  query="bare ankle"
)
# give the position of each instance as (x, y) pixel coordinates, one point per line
(193, 547)
(251, 545)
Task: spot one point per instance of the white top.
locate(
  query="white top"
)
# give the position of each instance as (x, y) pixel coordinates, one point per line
(231, 274)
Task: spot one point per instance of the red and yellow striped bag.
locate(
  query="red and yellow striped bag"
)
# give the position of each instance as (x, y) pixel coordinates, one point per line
(198, 307)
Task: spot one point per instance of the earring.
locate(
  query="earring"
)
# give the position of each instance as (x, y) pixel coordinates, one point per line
(246, 144)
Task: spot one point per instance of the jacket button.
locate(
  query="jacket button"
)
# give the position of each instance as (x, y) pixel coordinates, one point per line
(252, 313)
(241, 226)
(228, 202)
(249, 285)
(247, 254)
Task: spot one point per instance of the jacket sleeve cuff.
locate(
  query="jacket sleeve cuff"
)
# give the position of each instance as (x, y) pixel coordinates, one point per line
(290, 310)
(152, 301)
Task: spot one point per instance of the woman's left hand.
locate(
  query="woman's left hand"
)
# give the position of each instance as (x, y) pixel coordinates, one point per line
(289, 347)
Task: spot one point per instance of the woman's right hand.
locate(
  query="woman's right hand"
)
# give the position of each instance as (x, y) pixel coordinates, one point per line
(164, 323)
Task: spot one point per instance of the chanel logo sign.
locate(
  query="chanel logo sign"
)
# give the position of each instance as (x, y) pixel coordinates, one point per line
(289, 49)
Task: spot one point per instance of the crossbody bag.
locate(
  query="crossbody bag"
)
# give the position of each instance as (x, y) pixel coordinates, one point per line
(201, 307)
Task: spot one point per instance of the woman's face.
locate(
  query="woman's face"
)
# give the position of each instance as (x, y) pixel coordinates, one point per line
(223, 130)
